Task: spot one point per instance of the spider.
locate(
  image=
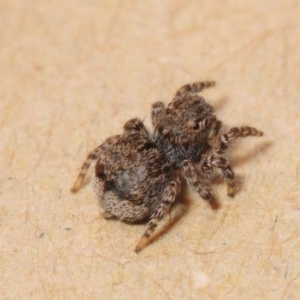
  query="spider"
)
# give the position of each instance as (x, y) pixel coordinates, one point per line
(138, 173)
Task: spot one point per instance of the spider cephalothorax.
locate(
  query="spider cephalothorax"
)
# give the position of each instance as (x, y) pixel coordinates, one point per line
(182, 129)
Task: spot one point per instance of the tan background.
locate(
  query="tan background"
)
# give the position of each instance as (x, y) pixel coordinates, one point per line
(72, 72)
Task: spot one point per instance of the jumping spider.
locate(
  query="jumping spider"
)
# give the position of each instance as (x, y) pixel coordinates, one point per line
(138, 174)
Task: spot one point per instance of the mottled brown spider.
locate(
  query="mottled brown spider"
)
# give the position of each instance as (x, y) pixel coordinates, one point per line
(138, 174)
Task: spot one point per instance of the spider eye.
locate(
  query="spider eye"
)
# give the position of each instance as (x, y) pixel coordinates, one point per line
(196, 126)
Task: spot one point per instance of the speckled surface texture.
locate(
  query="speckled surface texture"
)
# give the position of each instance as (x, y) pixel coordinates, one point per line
(72, 72)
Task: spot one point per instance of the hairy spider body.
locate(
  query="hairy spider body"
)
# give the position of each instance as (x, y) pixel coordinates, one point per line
(138, 174)
(132, 161)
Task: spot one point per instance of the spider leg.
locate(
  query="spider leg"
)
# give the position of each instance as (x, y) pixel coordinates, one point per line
(156, 110)
(134, 125)
(91, 159)
(168, 198)
(194, 88)
(223, 164)
(131, 126)
(214, 131)
(190, 174)
(233, 134)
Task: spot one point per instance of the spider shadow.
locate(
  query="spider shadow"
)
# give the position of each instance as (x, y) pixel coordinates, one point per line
(240, 160)
(220, 102)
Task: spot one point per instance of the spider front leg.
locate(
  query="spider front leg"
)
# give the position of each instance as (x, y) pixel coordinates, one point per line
(168, 198)
(214, 131)
(194, 88)
(190, 174)
(223, 164)
(233, 134)
(210, 161)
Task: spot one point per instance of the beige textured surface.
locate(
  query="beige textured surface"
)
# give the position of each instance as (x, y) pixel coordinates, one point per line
(72, 72)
